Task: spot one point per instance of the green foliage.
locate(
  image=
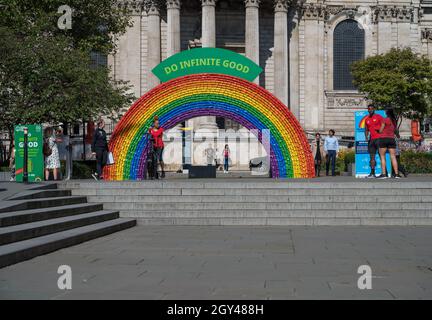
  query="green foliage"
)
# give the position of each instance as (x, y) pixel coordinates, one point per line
(344, 158)
(399, 79)
(417, 162)
(46, 74)
(95, 23)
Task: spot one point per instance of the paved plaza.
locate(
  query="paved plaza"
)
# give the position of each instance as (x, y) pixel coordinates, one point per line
(175, 262)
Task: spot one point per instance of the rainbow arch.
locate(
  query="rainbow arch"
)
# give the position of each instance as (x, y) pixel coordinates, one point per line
(207, 94)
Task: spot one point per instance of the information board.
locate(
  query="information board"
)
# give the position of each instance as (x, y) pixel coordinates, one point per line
(35, 164)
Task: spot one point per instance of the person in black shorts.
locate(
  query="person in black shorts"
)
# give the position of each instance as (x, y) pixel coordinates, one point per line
(373, 124)
(386, 142)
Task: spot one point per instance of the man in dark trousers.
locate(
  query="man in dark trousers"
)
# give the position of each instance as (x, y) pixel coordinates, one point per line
(373, 124)
(99, 149)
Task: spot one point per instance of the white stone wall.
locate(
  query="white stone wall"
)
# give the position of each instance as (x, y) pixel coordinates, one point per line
(315, 103)
(387, 24)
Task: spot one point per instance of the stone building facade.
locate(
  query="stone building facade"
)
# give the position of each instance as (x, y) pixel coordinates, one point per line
(305, 47)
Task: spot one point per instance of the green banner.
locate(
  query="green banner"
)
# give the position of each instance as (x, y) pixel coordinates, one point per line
(35, 164)
(207, 60)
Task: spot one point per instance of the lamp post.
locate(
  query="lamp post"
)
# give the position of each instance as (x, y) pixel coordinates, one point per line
(25, 173)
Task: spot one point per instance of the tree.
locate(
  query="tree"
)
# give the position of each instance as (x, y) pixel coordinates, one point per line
(45, 72)
(95, 23)
(399, 79)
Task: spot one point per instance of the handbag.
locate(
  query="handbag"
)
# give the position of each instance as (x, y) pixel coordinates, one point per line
(46, 150)
(110, 158)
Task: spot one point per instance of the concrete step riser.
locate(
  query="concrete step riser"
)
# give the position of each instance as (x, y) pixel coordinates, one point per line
(289, 221)
(30, 233)
(279, 184)
(265, 206)
(49, 214)
(43, 194)
(265, 202)
(45, 203)
(37, 249)
(277, 214)
(250, 192)
(261, 199)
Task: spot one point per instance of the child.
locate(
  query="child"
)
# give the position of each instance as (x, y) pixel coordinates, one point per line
(226, 155)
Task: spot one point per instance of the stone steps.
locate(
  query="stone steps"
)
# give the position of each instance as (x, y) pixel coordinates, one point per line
(37, 194)
(282, 214)
(23, 250)
(246, 192)
(246, 184)
(287, 221)
(39, 203)
(40, 221)
(41, 228)
(264, 201)
(152, 206)
(33, 215)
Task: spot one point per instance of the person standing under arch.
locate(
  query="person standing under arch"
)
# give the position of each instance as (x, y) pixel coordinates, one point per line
(226, 154)
(156, 133)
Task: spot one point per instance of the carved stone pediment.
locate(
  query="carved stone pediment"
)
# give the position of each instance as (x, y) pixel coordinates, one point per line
(426, 34)
(345, 100)
(388, 13)
(325, 12)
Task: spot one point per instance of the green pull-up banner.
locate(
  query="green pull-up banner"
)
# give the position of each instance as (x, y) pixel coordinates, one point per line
(35, 164)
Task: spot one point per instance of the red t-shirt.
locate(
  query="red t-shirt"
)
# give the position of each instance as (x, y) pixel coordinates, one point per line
(157, 136)
(373, 124)
(389, 129)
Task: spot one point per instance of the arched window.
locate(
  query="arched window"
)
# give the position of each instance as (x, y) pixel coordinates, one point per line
(348, 46)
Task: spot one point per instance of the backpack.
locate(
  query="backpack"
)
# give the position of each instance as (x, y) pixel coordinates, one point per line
(46, 149)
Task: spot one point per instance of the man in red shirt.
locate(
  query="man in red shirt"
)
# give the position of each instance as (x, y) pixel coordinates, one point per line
(157, 139)
(373, 125)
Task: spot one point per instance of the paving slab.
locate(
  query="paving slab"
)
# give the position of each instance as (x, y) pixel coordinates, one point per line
(174, 262)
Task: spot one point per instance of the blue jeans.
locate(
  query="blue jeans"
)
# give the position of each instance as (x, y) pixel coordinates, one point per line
(226, 164)
(331, 157)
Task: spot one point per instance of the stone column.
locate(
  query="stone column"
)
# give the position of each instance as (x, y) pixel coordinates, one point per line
(173, 17)
(280, 51)
(154, 41)
(252, 31)
(173, 47)
(207, 125)
(208, 28)
(294, 88)
(384, 16)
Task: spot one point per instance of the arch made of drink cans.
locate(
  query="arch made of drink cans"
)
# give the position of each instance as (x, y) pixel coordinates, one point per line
(208, 94)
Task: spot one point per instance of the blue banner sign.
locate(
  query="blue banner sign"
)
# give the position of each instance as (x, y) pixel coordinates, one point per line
(362, 158)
